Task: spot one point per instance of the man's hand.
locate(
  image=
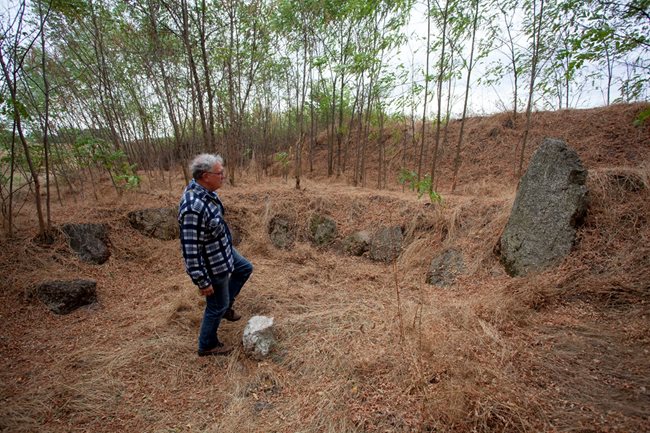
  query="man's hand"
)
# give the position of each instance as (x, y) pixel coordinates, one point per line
(207, 291)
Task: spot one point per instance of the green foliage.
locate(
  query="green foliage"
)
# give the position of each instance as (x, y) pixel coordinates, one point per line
(642, 117)
(95, 151)
(421, 187)
(5, 157)
(606, 34)
(129, 181)
(19, 157)
(71, 8)
(282, 158)
(8, 106)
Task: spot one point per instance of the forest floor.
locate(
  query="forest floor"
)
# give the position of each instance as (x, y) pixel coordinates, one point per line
(363, 346)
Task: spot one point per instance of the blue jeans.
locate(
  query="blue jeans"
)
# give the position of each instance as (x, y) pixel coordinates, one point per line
(226, 288)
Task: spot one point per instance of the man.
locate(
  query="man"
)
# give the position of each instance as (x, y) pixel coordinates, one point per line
(212, 262)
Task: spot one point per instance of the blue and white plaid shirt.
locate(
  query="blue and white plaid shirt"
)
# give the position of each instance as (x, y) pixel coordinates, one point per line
(206, 241)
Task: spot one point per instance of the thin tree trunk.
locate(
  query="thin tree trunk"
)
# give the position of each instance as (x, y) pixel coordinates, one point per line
(196, 83)
(609, 74)
(426, 91)
(298, 168)
(46, 146)
(439, 96)
(312, 132)
(12, 171)
(404, 148)
(206, 73)
(350, 126)
(515, 70)
(103, 78)
(11, 85)
(381, 177)
(330, 139)
(339, 131)
(367, 132)
(232, 129)
(357, 165)
(167, 93)
(470, 66)
(537, 30)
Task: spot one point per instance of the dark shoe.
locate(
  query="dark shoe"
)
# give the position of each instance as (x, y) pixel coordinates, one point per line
(220, 349)
(231, 316)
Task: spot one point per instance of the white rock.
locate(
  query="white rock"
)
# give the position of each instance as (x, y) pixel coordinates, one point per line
(258, 339)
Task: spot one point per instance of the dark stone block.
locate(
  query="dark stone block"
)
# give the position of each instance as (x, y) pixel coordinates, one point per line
(386, 244)
(63, 297)
(89, 241)
(323, 229)
(281, 232)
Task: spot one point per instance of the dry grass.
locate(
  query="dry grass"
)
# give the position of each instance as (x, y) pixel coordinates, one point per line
(363, 346)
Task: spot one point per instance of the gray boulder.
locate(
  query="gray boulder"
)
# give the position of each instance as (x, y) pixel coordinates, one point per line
(281, 232)
(386, 244)
(357, 243)
(323, 229)
(258, 339)
(63, 297)
(159, 223)
(445, 268)
(88, 241)
(551, 202)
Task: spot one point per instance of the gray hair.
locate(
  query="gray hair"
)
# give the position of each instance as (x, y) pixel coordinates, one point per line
(203, 163)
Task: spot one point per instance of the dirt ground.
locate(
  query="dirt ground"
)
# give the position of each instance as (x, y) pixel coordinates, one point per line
(362, 346)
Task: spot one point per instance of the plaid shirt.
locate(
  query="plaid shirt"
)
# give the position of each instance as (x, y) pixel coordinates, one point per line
(206, 241)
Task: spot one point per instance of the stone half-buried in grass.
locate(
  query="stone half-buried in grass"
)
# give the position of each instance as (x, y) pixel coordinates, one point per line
(386, 244)
(258, 339)
(88, 241)
(158, 223)
(63, 297)
(445, 267)
(357, 243)
(281, 232)
(322, 229)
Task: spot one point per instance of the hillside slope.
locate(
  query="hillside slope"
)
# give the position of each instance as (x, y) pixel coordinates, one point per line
(603, 137)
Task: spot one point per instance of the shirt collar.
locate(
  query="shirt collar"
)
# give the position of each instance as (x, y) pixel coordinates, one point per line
(194, 185)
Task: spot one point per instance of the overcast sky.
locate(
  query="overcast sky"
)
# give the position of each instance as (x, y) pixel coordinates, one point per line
(482, 99)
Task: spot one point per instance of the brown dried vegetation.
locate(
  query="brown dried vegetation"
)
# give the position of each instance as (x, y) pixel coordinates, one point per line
(363, 346)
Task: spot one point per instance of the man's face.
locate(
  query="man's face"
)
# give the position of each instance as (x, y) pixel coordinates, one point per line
(213, 179)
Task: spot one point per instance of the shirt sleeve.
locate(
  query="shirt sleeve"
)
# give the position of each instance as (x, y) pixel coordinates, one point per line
(190, 222)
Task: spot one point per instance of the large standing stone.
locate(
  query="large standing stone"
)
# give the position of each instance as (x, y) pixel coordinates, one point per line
(551, 202)
(322, 229)
(63, 297)
(280, 232)
(89, 241)
(258, 339)
(445, 268)
(357, 243)
(386, 244)
(159, 223)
